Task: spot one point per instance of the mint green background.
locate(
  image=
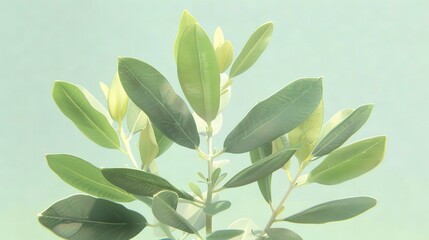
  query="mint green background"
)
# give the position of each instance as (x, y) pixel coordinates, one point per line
(367, 51)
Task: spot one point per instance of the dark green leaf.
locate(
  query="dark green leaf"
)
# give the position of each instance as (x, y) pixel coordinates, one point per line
(217, 207)
(225, 234)
(253, 49)
(343, 131)
(349, 162)
(275, 116)
(164, 209)
(139, 182)
(85, 177)
(198, 72)
(83, 217)
(265, 182)
(152, 93)
(74, 103)
(337, 210)
(260, 169)
(282, 234)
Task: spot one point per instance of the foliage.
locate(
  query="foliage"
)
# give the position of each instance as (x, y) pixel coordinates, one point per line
(287, 126)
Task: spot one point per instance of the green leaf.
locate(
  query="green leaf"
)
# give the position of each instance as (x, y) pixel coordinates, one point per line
(152, 93)
(164, 143)
(337, 210)
(349, 162)
(224, 54)
(217, 207)
(117, 100)
(334, 121)
(196, 190)
(164, 209)
(275, 116)
(280, 143)
(225, 234)
(198, 72)
(343, 131)
(185, 21)
(82, 217)
(78, 108)
(85, 177)
(260, 169)
(148, 147)
(139, 182)
(218, 38)
(253, 49)
(282, 234)
(305, 135)
(104, 89)
(136, 118)
(265, 182)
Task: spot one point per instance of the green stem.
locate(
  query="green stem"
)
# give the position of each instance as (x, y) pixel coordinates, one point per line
(126, 141)
(210, 184)
(277, 211)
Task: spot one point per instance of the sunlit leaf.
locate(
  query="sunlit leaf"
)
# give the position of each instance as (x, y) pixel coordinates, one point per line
(247, 225)
(74, 103)
(202, 125)
(185, 21)
(196, 190)
(260, 169)
(334, 121)
(349, 162)
(218, 38)
(265, 182)
(152, 93)
(337, 210)
(164, 209)
(225, 234)
(217, 207)
(282, 234)
(85, 177)
(276, 115)
(225, 93)
(253, 49)
(104, 89)
(343, 130)
(306, 134)
(136, 118)
(224, 54)
(139, 182)
(117, 100)
(82, 217)
(198, 72)
(148, 146)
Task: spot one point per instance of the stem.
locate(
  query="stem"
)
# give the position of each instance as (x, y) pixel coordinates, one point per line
(285, 197)
(210, 184)
(126, 142)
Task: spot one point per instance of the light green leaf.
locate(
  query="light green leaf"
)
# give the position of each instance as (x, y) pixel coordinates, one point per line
(218, 38)
(247, 225)
(104, 89)
(349, 162)
(305, 135)
(85, 177)
(260, 169)
(136, 118)
(73, 102)
(282, 234)
(163, 142)
(82, 217)
(253, 49)
(265, 182)
(217, 207)
(198, 72)
(164, 209)
(196, 190)
(117, 100)
(343, 131)
(337, 210)
(280, 143)
(139, 182)
(224, 54)
(185, 21)
(152, 93)
(334, 121)
(225, 234)
(148, 146)
(276, 115)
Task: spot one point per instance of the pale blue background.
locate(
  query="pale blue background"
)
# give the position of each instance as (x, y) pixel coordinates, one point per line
(368, 51)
